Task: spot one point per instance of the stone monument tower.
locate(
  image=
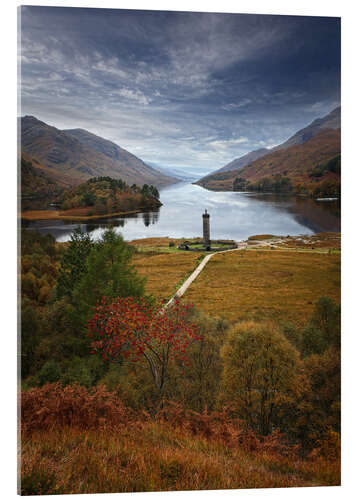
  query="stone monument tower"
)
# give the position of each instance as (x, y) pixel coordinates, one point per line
(206, 231)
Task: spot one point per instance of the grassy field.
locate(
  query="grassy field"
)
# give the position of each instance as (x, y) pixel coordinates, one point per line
(257, 284)
(79, 214)
(170, 245)
(282, 285)
(321, 241)
(165, 272)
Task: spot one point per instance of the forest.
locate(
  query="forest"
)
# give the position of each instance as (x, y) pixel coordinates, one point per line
(99, 352)
(104, 195)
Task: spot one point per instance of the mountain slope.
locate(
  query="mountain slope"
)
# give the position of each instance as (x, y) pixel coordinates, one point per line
(111, 150)
(331, 121)
(297, 162)
(37, 188)
(240, 163)
(75, 156)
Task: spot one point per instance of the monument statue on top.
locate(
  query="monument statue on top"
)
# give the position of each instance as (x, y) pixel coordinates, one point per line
(206, 230)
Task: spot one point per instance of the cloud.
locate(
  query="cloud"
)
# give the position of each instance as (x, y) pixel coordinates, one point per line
(136, 96)
(226, 144)
(179, 88)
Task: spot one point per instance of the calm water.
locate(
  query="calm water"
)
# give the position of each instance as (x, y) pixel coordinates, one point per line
(233, 215)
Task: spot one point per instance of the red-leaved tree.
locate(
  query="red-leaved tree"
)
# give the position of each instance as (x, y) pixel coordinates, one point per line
(136, 331)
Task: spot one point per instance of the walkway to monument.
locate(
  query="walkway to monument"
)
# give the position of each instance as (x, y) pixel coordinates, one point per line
(241, 246)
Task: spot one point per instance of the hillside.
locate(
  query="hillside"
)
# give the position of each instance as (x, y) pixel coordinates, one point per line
(138, 168)
(38, 190)
(76, 155)
(241, 162)
(298, 164)
(218, 179)
(180, 450)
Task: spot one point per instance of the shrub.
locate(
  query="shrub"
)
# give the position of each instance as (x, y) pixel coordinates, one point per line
(53, 405)
(79, 372)
(50, 372)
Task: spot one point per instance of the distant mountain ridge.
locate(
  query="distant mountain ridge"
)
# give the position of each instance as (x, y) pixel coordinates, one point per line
(330, 121)
(175, 172)
(266, 162)
(75, 155)
(241, 162)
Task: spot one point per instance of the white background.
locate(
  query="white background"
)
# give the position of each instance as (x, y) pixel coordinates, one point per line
(8, 22)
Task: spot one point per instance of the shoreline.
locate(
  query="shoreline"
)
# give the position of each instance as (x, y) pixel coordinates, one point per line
(33, 215)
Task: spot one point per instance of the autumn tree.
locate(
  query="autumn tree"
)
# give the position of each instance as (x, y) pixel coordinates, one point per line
(198, 386)
(135, 331)
(324, 328)
(260, 369)
(317, 410)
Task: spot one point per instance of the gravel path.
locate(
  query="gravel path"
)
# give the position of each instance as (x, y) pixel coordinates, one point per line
(196, 272)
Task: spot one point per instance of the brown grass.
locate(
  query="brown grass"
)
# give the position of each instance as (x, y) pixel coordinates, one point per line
(165, 272)
(156, 242)
(80, 213)
(259, 237)
(156, 457)
(277, 285)
(315, 241)
(179, 450)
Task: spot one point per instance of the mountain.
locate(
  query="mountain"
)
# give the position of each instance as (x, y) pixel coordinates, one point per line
(294, 163)
(37, 188)
(332, 121)
(298, 160)
(300, 163)
(73, 156)
(182, 175)
(241, 162)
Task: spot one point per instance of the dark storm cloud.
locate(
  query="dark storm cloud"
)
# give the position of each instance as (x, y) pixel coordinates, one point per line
(179, 88)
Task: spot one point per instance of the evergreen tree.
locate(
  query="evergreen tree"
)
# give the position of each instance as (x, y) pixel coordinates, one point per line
(29, 337)
(108, 273)
(73, 263)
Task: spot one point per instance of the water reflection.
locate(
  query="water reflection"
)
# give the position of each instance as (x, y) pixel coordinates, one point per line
(314, 215)
(233, 215)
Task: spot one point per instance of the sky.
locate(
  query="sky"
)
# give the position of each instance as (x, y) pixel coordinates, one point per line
(186, 90)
